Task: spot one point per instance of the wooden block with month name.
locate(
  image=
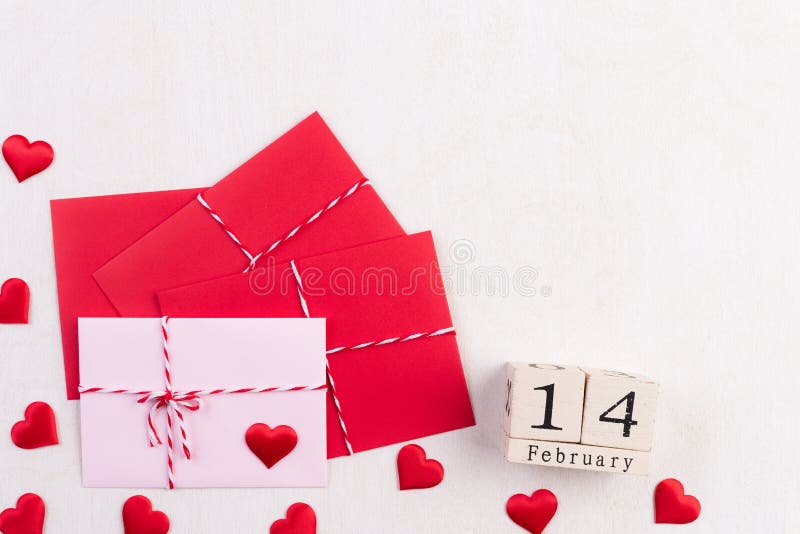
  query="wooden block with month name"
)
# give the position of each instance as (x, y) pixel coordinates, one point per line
(544, 401)
(577, 456)
(619, 410)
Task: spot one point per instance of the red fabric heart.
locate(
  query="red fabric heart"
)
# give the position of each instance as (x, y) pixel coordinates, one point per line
(673, 505)
(300, 519)
(415, 471)
(26, 518)
(532, 513)
(26, 159)
(38, 429)
(271, 445)
(139, 518)
(14, 301)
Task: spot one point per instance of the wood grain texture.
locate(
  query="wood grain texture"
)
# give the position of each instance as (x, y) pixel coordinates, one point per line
(635, 165)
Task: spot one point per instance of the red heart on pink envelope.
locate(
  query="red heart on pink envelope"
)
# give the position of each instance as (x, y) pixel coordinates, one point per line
(38, 429)
(14, 301)
(300, 519)
(26, 518)
(139, 517)
(26, 159)
(271, 445)
(532, 513)
(415, 471)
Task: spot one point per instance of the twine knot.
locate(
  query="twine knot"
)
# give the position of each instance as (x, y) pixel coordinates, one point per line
(173, 403)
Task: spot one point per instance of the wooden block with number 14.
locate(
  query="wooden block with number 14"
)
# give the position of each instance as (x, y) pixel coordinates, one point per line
(579, 418)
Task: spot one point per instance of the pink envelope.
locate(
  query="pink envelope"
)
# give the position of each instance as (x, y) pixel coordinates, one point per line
(124, 359)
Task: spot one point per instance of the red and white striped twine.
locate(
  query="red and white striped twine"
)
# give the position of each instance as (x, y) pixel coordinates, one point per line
(387, 341)
(335, 397)
(173, 402)
(253, 258)
(228, 230)
(367, 344)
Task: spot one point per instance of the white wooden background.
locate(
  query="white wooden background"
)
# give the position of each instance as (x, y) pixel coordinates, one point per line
(642, 157)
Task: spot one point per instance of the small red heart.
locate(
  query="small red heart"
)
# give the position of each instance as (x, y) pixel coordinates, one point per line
(300, 519)
(271, 445)
(415, 471)
(673, 505)
(26, 159)
(532, 513)
(38, 429)
(15, 299)
(26, 518)
(139, 518)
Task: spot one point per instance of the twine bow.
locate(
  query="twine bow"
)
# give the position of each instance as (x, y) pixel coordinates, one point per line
(172, 402)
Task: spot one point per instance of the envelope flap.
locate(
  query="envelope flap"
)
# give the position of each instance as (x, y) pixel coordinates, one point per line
(388, 289)
(120, 353)
(284, 184)
(237, 353)
(204, 353)
(391, 288)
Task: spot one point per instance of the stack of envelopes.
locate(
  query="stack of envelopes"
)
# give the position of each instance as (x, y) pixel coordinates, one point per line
(297, 231)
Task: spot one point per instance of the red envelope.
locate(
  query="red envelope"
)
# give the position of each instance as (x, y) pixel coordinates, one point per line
(87, 232)
(305, 172)
(388, 393)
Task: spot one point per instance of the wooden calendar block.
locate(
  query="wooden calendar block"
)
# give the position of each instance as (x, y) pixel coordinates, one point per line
(544, 401)
(619, 410)
(577, 456)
